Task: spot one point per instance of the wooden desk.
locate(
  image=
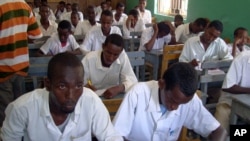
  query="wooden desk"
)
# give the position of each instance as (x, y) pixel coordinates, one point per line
(154, 57)
(240, 108)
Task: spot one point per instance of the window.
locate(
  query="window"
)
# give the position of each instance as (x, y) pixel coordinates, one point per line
(172, 7)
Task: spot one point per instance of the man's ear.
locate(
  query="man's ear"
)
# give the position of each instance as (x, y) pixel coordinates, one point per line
(47, 84)
(161, 84)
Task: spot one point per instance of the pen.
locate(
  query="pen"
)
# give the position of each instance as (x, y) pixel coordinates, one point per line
(89, 82)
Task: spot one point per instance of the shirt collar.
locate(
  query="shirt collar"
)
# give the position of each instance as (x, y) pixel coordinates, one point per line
(99, 62)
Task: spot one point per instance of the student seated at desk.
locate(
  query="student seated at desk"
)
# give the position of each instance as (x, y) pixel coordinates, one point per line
(108, 71)
(240, 40)
(209, 46)
(237, 81)
(65, 110)
(157, 111)
(48, 27)
(97, 35)
(132, 24)
(61, 42)
(119, 15)
(185, 31)
(155, 37)
(67, 15)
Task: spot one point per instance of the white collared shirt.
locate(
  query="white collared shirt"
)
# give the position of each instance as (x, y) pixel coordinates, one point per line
(194, 49)
(237, 51)
(146, 16)
(54, 46)
(95, 38)
(120, 72)
(52, 16)
(67, 16)
(29, 116)
(139, 27)
(159, 42)
(50, 30)
(84, 27)
(238, 74)
(182, 33)
(139, 117)
(121, 20)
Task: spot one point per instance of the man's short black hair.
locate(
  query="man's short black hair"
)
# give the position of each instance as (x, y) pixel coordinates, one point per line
(62, 60)
(64, 24)
(182, 75)
(217, 25)
(178, 17)
(107, 13)
(201, 22)
(236, 31)
(119, 4)
(133, 12)
(115, 39)
(163, 27)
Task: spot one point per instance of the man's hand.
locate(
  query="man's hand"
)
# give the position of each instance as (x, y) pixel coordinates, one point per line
(113, 91)
(194, 62)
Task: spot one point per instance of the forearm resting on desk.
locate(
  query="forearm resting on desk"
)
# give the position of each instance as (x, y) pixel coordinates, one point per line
(113, 91)
(236, 89)
(220, 134)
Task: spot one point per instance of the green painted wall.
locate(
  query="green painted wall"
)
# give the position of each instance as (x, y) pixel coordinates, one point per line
(232, 13)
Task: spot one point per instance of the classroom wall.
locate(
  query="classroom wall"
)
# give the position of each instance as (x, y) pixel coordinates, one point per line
(231, 13)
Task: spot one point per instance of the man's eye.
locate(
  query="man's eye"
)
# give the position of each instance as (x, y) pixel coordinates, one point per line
(79, 86)
(62, 86)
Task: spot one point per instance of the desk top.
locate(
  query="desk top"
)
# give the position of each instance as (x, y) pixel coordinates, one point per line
(243, 99)
(155, 52)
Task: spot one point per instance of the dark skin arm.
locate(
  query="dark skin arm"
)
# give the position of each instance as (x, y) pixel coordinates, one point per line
(219, 134)
(113, 91)
(40, 54)
(236, 89)
(150, 43)
(194, 62)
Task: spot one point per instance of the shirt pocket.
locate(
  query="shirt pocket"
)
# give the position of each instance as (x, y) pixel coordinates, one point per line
(169, 135)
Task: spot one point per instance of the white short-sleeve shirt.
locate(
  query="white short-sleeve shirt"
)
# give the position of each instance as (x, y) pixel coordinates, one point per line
(139, 27)
(238, 74)
(50, 30)
(120, 72)
(121, 20)
(139, 117)
(194, 49)
(29, 117)
(237, 51)
(182, 33)
(67, 16)
(159, 42)
(146, 16)
(53, 45)
(95, 38)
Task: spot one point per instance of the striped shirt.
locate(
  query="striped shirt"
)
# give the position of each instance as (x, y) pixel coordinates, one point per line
(17, 24)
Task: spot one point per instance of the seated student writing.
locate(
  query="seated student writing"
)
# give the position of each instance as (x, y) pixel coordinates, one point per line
(206, 47)
(61, 42)
(155, 37)
(132, 24)
(157, 111)
(239, 43)
(237, 81)
(109, 69)
(65, 110)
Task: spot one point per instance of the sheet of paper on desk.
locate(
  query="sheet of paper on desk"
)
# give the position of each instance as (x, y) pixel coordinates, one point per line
(215, 72)
(100, 92)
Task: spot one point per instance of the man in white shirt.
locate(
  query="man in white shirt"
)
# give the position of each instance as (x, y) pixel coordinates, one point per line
(132, 24)
(60, 42)
(97, 35)
(109, 70)
(144, 13)
(48, 27)
(65, 110)
(237, 81)
(239, 43)
(155, 37)
(185, 31)
(157, 111)
(36, 10)
(90, 22)
(60, 9)
(119, 15)
(207, 47)
(67, 15)
(101, 8)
